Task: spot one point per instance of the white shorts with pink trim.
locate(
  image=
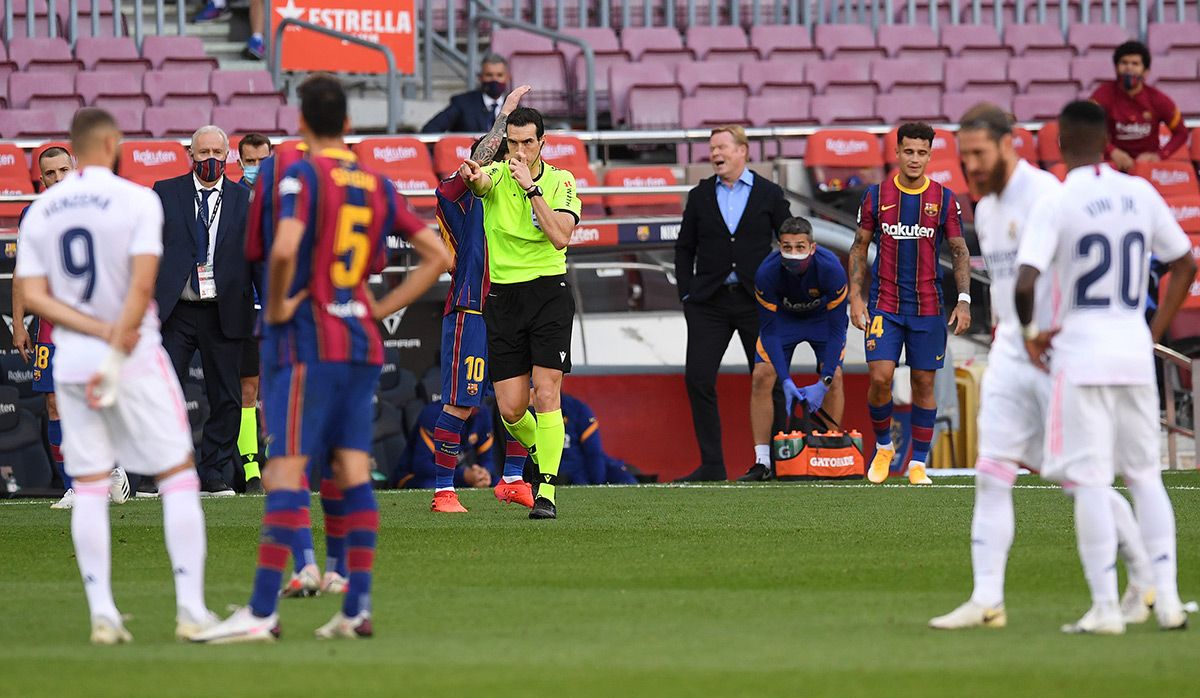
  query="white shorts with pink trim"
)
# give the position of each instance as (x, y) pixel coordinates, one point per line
(1096, 432)
(146, 430)
(1012, 412)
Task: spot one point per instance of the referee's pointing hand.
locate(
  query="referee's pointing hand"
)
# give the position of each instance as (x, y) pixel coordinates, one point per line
(470, 170)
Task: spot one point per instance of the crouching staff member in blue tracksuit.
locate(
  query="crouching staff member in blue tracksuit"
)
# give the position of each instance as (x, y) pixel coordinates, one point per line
(801, 292)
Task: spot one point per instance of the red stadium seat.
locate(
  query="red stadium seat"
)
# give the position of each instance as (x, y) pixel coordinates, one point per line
(567, 152)
(14, 186)
(971, 73)
(1180, 39)
(392, 156)
(35, 123)
(647, 205)
(245, 88)
(914, 41)
(176, 122)
(844, 109)
(236, 119)
(1038, 40)
(1037, 107)
(601, 39)
(623, 80)
(506, 42)
(147, 162)
(12, 162)
(43, 55)
(177, 53)
(1186, 210)
(130, 119)
(606, 63)
(110, 53)
(547, 73)
(955, 104)
(592, 205)
(1090, 70)
(783, 41)
(894, 108)
(647, 42)
(921, 80)
(42, 90)
(777, 78)
(1038, 75)
(705, 112)
(843, 76)
(945, 146)
(852, 41)
(1097, 38)
(833, 156)
(975, 40)
(778, 110)
(1188, 103)
(449, 153)
(1172, 179)
(1047, 144)
(413, 180)
(654, 107)
(287, 118)
(1024, 144)
(178, 88)
(1181, 155)
(711, 79)
(720, 43)
(118, 88)
(949, 174)
(1195, 145)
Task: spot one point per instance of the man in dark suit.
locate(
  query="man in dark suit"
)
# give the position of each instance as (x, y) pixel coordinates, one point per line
(728, 225)
(475, 111)
(205, 295)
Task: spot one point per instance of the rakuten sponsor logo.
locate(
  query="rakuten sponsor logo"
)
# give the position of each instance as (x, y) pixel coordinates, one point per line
(1168, 177)
(908, 232)
(410, 184)
(1183, 213)
(582, 236)
(154, 158)
(644, 182)
(394, 153)
(558, 151)
(839, 146)
(7, 159)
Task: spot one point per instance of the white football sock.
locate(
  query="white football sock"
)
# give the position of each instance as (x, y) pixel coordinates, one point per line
(992, 526)
(1097, 536)
(1130, 545)
(762, 454)
(1157, 521)
(89, 531)
(218, 3)
(183, 527)
(509, 479)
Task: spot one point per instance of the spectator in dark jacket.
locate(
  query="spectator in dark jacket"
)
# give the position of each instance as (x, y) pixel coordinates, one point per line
(475, 111)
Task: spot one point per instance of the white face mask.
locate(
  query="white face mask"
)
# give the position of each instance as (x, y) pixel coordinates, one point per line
(797, 256)
(796, 263)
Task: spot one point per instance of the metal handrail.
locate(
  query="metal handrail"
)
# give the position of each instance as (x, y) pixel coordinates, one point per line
(277, 54)
(1173, 359)
(478, 11)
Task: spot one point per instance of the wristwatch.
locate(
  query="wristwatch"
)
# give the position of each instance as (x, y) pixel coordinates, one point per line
(533, 191)
(827, 380)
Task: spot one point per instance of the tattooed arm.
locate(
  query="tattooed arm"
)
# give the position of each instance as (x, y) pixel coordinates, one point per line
(858, 272)
(485, 152)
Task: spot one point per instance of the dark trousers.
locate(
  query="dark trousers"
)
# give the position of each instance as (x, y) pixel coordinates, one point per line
(197, 327)
(711, 324)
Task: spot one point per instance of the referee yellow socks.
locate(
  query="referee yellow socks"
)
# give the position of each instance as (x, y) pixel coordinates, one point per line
(248, 442)
(550, 436)
(524, 429)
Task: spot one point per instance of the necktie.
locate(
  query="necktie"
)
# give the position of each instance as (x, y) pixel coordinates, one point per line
(201, 235)
(495, 111)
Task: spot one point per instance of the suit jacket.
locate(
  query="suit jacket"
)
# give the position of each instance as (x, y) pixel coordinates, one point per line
(233, 274)
(706, 252)
(466, 114)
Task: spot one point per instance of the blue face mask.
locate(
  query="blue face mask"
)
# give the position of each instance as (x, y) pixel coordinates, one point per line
(250, 173)
(797, 264)
(1129, 82)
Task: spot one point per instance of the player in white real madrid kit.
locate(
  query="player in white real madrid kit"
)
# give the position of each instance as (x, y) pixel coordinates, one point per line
(1093, 237)
(1014, 394)
(89, 256)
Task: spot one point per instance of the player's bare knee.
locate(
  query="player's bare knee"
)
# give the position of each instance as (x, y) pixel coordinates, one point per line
(457, 412)
(249, 393)
(763, 379)
(922, 385)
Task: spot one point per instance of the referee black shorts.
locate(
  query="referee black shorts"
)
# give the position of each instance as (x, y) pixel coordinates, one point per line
(250, 358)
(529, 324)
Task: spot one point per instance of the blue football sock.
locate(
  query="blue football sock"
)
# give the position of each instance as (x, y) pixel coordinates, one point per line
(881, 422)
(515, 456)
(281, 519)
(922, 432)
(362, 525)
(302, 540)
(447, 439)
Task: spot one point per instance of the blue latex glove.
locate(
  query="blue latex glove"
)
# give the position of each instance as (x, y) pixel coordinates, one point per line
(792, 394)
(814, 395)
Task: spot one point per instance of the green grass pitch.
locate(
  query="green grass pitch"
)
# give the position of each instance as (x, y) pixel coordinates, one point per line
(783, 590)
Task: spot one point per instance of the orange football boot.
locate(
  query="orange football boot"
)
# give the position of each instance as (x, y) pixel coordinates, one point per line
(447, 503)
(519, 492)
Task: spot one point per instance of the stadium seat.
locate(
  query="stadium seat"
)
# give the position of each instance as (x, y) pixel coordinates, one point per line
(109, 53)
(714, 79)
(449, 153)
(848, 41)
(430, 385)
(146, 162)
(388, 441)
(1188, 102)
(1186, 210)
(115, 88)
(955, 104)
(944, 147)
(974, 40)
(970, 73)
(778, 110)
(1194, 147)
(948, 173)
(1180, 68)
(131, 119)
(412, 413)
(654, 107)
(1172, 179)
(567, 152)
(911, 41)
(647, 205)
(179, 88)
(904, 107)
(704, 112)
(654, 43)
(593, 206)
(21, 446)
(42, 90)
(34, 123)
(621, 81)
(777, 79)
(1038, 41)
(245, 88)
(287, 119)
(506, 42)
(237, 119)
(601, 39)
(176, 53)
(405, 161)
(1097, 38)
(606, 63)
(13, 164)
(1037, 75)
(1036, 107)
(43, 55)
(722, 43)
(844, 109)
(547, 73)
(1025, 144)
(1047, 144)
(783, 41)
(41, 27)
(843, 76)
(1179, 39)
(178, 122)
(835, 157)
(1164, 135)
(397, 384)
(921, 80)
(1090, 70)
(11, 185)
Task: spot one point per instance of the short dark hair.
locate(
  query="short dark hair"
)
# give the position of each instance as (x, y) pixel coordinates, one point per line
(523, 116)
(501, 150)
(1083, 129)
(796, 225)
(918, 130)
(1132, 48)
(86, 122)
(986, 116)
(52, 152)
(323, 105)
(253, 140)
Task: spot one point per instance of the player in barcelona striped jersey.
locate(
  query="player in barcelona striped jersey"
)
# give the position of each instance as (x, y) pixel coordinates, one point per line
(464, 334)
(322, 352)
(908, 217)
